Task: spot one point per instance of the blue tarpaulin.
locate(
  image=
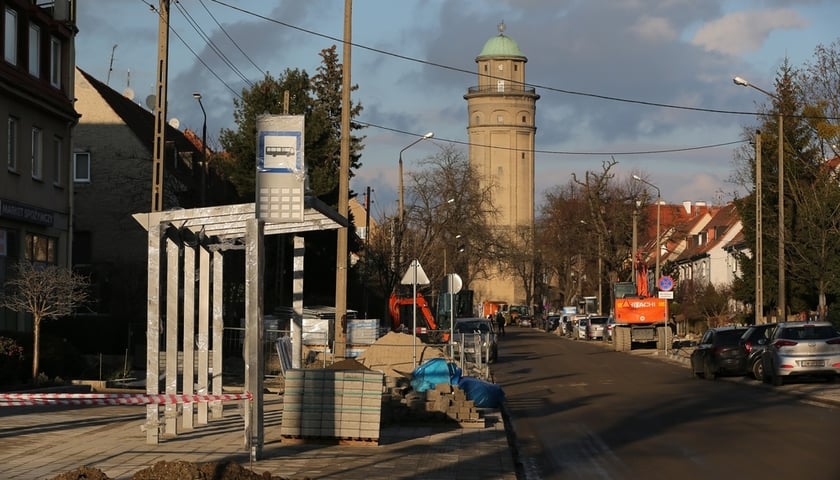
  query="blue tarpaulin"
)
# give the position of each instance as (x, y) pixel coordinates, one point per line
(433, 372)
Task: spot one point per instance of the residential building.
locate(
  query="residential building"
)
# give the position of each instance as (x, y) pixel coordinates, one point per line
(112, 151)
(707, 258)
(36, 106)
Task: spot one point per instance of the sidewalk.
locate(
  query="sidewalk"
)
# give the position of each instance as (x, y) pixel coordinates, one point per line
(43, 442)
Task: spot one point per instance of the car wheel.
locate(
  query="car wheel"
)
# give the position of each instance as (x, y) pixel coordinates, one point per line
(694, 371)
(758, 370)
(709, 372)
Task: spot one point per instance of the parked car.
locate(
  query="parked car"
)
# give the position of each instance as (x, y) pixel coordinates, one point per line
(553, 322)
(718, 353)
(751, 345)
(477, 334)
(608, 329)
(596, 327)
(801, 349)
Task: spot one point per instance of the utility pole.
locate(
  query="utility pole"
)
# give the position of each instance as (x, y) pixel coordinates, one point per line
(159, 147)
(341, 259)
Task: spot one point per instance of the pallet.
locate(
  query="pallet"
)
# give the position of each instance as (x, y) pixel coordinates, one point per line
(346, 441)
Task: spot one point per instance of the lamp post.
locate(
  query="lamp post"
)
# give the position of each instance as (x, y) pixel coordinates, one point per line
(781, 154)
(402, 199)
(658, 217)
(197, 96)
(759, 255)
(635, 236)
(600, 269)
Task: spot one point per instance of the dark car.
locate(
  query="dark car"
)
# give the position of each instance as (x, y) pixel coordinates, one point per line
(718, 353)
(752, 343)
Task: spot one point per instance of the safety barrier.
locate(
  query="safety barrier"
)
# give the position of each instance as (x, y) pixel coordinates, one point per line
(32, 399)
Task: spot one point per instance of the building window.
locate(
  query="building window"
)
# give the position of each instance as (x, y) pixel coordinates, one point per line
(12, 145)
(34, 51)
(10, 36)
(39, 248)
(57, 147)
(55, 62)
(81, 167)
(37, 153)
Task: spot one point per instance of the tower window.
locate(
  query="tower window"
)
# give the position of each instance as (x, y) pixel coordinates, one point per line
(523, 155)
(524, 119)
(485, 67)
(515, 68)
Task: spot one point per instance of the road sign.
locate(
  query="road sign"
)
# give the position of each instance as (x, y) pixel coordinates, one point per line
(415, 275)
(666, 283)
(453, 283)
(669, 295)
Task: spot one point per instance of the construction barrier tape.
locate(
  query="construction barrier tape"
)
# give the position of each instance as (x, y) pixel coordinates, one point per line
(28, 399)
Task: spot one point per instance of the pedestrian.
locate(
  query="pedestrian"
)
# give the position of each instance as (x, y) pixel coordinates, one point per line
(500, 320)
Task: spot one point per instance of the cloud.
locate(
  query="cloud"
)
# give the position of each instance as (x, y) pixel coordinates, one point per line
(746, 31)
(654, 29)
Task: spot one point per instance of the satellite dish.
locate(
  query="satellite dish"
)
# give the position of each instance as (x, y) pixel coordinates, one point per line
(174, 123)
(150, 102)
(128, 93)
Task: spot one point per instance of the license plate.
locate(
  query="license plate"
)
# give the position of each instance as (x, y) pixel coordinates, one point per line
(812, 363)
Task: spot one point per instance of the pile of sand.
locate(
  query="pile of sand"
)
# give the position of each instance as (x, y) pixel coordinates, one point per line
(394, 354)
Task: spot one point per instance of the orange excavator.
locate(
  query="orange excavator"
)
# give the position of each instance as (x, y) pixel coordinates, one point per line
(639, 316)
(402, 318)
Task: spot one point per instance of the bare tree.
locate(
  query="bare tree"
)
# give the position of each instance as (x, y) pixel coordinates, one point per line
(450, 217)
(447, 221)
(43, 291)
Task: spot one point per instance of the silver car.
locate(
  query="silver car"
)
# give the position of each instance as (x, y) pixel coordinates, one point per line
(597, 326)
(801, 349)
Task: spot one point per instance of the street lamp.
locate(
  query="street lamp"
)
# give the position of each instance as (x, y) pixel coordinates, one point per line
(197, 96)
(658, 216)
(741, 82)
(402, 199)
(600, 269)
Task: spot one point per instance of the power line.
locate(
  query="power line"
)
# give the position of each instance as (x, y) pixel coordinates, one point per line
(154, 9)
(470, 72)
(562, 152)
(211, 44)
(231, 38)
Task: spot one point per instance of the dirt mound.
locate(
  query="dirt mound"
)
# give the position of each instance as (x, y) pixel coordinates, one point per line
(394, 354)
(348, 364)
(178, 471)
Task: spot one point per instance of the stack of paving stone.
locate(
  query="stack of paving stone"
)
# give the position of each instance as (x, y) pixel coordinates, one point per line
(332, 405)
(445, 402)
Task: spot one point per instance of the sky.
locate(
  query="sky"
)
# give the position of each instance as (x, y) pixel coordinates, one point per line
(647, 83)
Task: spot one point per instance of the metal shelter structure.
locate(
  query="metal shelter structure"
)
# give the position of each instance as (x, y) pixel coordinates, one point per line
(186, 249)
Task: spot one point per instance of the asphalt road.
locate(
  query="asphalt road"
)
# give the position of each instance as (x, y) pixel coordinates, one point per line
(582, 411)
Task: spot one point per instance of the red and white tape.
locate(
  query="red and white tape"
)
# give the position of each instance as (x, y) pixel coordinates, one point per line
(28, 399)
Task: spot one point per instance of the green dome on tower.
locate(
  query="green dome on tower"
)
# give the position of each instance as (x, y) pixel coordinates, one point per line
(501, 46)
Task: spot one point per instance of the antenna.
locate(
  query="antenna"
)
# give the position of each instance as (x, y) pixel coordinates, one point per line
(111, 65)
(128, 93)
(174, 123)
(150, 102)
